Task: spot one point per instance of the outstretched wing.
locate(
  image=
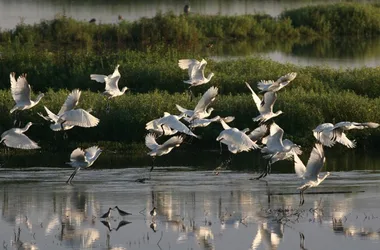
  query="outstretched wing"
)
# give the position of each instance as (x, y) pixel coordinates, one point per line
(207, 98)
(287, 78)
(71, 101)
(255, 98)
(315, 162)
(91, 152)
(173, 142)
(299, 167)
(79, 117)
(16, 140)
(77, 155)
(197, 72)
(269, 99)
(112, 83)
(150, 141)
(20, 89)
(51, 115)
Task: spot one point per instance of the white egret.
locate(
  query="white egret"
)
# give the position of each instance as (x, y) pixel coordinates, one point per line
(328, 134)
(205, 122)
(78, 117)
(83, 159)
(112, 89)
(265, 107)
(173, 122)
(161, 149)
(236, 140)
(276, 148)
(71, 101)
(15, 138)
(21, 93)
(200, 111)
(102, 78)
(275, 86)
(310, 173)
(196, 71)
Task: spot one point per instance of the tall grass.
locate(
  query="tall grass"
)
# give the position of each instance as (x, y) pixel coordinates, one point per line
(158, 69)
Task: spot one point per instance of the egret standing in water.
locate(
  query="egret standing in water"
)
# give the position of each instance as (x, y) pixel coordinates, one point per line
(15, 138)
(83, 159)
(310, 173)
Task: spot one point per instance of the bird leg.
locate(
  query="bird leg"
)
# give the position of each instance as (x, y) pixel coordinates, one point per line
(302, 199)
(62, 125)
(151, 169)
(221, 149)
(108, 107)
(71, 176)
(191, 94)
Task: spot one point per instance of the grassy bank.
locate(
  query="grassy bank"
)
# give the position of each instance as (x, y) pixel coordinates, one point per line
(158, 70)
(299, 25)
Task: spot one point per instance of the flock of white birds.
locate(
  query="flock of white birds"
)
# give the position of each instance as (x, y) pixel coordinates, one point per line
(267, 137)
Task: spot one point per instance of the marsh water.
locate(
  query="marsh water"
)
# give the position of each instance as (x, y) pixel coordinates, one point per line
(347, 52)
(196, 209)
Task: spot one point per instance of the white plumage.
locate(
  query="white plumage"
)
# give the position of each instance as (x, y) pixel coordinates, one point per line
(328, 134)
(275, 86)
(195, 71)
(21, 92)
(162, 149)
(265, 106)
(236, 140)
(102, 78)
(310, 173)
(205, 122)
(83, 159)
(15, 138)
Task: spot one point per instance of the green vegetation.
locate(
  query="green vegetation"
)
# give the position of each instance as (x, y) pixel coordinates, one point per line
(296, 26)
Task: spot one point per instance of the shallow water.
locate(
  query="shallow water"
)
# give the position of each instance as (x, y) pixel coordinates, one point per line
(195, 210)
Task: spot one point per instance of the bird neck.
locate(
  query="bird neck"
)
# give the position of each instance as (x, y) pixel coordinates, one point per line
(38, 99)
(323, 178)
(26, 127)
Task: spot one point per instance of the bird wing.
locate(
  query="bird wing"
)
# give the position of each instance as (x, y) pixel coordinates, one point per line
(98, 78)
(323, 126)
(299, 167)
(342, 139)
(16, 140)
(258, 133)
(207, 98)
(198, 71)
(91, 152)
(71, 101)
(185, 111)
(172, 142)
(20, 89)
(370, 124)
(77, 155)
(185, 63)
(264, 85)
(287, 78)
(269, 99)
(315, 162)
(112, 83)
(255, 98)
(224, 124)
(274, 141)
(51, 115)
(79, 117)
(150, 142)
(175, 124)
(115, 72)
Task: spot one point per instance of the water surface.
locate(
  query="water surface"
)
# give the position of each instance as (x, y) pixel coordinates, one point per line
(196, 210)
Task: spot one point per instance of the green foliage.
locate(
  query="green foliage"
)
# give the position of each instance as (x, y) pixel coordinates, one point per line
(337, 19)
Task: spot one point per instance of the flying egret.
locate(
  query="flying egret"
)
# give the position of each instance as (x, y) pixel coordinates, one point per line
(310, 173)
(275, 86)
(328, 134)
(200, 111)
(21, 92)
(15, 138)
(121, 212)
(236, 140)
(265, 107)
(276, 148)
(196, 72)
(173, 121)
(161, 149)
(83, 159)
(72, 100)
(205, 122)
(78, 117)
(106, 215)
